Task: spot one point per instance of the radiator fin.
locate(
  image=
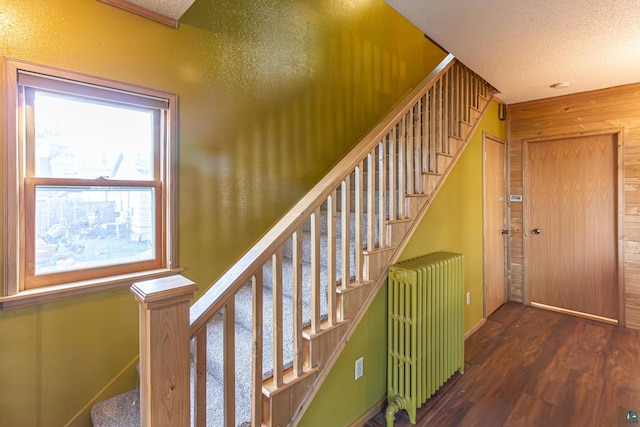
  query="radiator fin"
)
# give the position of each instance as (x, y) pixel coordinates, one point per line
(425, 329)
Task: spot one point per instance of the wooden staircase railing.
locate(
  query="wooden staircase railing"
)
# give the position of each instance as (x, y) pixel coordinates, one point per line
(315, 273)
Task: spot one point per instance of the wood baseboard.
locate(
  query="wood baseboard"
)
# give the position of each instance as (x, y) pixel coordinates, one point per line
(371, 412)
(575, 313)
(475, 328)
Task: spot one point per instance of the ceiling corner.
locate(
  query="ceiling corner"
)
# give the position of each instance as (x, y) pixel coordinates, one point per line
(164, 11)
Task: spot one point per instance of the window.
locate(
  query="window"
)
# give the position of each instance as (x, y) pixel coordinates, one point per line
(89, 182)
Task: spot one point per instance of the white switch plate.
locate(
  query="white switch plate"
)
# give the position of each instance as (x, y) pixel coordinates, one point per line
(468, 298)
(359, 367)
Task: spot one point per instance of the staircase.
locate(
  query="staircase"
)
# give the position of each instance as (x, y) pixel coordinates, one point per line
(264, 337)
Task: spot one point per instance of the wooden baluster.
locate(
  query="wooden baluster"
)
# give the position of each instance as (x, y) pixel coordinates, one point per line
(465, 84)
(297, 301)
(410, 151)
(444, 121)
(478, 89)
(315, 271)
(465, 93)
(382, 194)
(331, 257)
(201, 378)
(402, 189)
(276, 288)
(444, 124)
(470, 103)
(359, 220)
(229, 361)
(164, 350)
(258, 343)
(454, 96)
(371, 192)
(417, 145)
(433, 145)
(472, 85)
(424, 134)
(469, 98)
(424, 155)
(437, 117)
(393, 193)
(449, 101)
(474, 92)
(346, 232)
(454, 101)
(460, 101)
(476, 84)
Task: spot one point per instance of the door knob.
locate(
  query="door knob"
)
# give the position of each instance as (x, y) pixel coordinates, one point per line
(535, 231)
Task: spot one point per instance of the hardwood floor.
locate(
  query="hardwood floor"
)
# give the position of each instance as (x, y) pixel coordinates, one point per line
(532, 367)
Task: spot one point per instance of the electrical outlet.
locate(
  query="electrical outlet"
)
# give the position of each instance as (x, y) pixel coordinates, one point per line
(359, 367)
(468, 298)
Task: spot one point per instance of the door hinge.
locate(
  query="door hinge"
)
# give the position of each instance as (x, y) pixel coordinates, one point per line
(505, 231)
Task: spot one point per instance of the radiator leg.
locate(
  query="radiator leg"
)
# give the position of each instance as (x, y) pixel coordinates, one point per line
(395, 404)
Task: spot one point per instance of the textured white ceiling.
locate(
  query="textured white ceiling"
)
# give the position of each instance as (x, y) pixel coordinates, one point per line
(522, 47)
(171, 8)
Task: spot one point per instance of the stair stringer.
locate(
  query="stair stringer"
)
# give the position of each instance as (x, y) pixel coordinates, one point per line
(377, 269)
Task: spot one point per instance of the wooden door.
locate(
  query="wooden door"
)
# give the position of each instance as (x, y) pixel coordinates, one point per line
(572, 262)
(494, 223)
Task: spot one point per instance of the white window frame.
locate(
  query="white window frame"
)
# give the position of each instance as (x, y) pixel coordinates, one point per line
(18, 186)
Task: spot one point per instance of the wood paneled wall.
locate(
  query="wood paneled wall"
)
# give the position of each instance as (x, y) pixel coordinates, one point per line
(614, 109)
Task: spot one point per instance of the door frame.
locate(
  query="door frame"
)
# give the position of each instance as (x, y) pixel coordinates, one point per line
(618, 133)
(505, 220)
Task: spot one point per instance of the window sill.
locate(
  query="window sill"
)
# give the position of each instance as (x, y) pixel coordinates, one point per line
(71, 290)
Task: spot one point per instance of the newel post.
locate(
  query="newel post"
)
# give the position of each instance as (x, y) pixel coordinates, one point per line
(164, 350)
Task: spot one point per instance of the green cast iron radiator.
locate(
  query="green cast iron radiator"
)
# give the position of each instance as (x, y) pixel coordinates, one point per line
(425, 329)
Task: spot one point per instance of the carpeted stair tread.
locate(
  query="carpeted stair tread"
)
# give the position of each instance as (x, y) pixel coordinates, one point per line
(122, 410)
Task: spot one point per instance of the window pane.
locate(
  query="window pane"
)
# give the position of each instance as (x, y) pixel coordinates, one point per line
(87, 227)
(77, 138)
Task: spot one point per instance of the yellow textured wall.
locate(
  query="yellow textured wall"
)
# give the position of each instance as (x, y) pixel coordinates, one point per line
(452, 223)
(272, 94)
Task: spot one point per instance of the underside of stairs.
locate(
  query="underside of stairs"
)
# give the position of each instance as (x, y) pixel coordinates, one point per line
(266, 335)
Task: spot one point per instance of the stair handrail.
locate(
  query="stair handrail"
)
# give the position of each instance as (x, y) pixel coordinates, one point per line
(230, 283)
